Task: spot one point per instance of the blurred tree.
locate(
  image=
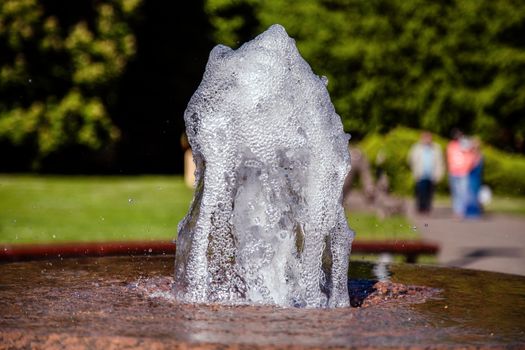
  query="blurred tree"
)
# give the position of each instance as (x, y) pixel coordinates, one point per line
(423, 63)
(173, 45)
(57, 63)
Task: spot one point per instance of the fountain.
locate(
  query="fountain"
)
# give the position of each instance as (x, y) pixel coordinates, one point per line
(267, 224)
(262, 256)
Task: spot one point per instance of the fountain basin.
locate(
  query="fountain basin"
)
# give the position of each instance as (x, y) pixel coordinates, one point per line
(95, 303)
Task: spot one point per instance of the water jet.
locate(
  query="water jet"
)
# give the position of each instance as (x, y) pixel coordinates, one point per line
(267, 224)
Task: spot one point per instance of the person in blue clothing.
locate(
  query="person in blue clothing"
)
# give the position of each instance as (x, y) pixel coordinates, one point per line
(475, 178)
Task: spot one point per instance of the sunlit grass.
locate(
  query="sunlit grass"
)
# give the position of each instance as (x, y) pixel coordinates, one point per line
(498, 204)
(58, 209)
(369, 227)
(46, 209)
(508, 205)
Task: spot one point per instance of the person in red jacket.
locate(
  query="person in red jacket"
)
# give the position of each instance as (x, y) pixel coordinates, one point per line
(459, 163)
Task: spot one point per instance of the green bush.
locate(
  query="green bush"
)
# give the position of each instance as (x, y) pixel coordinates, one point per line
(503, 172)
(58, 72)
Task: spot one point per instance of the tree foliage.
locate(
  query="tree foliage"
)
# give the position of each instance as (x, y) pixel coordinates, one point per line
(57, 63)
(423, 63)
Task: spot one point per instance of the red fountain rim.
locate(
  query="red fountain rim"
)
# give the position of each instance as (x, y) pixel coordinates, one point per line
(25, 252)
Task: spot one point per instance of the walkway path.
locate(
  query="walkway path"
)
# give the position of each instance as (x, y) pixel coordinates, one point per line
(493, 243)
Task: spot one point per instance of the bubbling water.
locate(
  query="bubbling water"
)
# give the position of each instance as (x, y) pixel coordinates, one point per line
(266, 225)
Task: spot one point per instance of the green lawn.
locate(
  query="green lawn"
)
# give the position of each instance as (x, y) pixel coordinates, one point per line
(368, 226)
(56, 209)
(498, 204)
(43, 209)
(507, 205)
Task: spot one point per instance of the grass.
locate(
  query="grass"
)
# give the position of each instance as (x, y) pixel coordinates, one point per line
(37, 209)
(507, 205)
(498, 204)
(59, 209)
(369, 227)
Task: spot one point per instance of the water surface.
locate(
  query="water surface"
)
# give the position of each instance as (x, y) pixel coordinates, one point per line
(91, 302)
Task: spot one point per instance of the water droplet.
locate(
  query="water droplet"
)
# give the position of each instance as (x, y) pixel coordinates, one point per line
(54, 236)
(29, 80)
(130, 200)
(102, 218)
(414, 228)
(150, 250)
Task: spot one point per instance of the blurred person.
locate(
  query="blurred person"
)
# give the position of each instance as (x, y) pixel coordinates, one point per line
(189, 164)
(361, 169)
(475, 178)
(382, 181)
(384, 203)
(426, 162)
(459, 163)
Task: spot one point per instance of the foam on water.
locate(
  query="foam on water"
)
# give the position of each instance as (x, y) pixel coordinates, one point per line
(266, 224)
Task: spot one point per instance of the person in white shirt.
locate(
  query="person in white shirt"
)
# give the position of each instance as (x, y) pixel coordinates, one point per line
(426, 162)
